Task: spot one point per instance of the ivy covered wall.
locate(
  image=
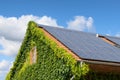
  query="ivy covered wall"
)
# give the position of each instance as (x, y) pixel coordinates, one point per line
(53, 62)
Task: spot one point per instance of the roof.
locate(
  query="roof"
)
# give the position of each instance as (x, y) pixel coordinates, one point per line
(86, 45)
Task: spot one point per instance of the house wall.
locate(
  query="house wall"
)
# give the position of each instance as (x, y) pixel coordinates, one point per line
(104, 68)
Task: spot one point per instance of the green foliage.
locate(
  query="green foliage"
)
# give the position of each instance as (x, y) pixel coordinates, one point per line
(53, 62)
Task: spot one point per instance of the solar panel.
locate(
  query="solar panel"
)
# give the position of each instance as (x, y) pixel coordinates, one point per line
(85, 45)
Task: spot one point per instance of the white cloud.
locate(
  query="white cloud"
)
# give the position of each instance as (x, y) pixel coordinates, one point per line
(12, 31)
(108, 34)
(14, 28)
(10, 48)
(117, 35)
(48, 21)
(81, 23)
(4, 67)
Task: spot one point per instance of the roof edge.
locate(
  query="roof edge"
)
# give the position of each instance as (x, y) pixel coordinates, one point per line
(100, 62)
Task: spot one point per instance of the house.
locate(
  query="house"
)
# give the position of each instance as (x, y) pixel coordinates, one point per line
(57, 53)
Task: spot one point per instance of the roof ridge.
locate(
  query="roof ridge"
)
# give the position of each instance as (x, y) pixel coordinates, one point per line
(42, 26)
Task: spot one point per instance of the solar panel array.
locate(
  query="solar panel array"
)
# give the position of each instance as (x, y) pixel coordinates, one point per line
(85, 45)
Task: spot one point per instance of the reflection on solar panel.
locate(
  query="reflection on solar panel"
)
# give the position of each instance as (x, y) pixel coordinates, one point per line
(85, 45)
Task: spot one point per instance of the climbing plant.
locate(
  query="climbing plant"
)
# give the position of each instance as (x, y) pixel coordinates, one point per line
(53, 62)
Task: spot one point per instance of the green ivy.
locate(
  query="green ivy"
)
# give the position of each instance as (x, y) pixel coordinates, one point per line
(53, 62)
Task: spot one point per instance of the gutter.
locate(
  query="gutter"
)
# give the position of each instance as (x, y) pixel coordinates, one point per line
(100, 63)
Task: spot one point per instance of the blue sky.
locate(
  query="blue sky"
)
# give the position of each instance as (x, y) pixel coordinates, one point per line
(98, 16)
(104, 12)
